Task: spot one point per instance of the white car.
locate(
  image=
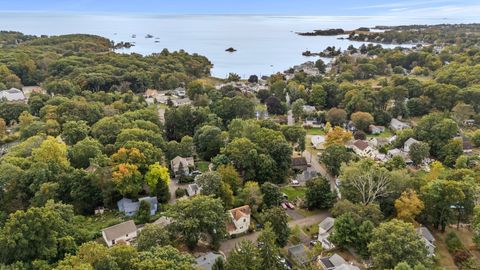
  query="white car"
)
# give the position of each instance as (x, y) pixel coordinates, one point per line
(295, 182)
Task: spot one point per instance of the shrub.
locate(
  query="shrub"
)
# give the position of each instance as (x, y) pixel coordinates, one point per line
(453, 242)
(180, 192)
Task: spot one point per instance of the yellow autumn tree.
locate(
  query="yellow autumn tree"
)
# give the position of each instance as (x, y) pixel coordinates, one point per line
(127, 179)
(408, 206)
(338, 135)
(436, 170)
(51, 150)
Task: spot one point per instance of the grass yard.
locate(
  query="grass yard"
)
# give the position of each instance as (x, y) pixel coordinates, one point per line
(315, 131)
(92, 225)
(202, 165)
(386, 134)
(294, 192)
(260, 107)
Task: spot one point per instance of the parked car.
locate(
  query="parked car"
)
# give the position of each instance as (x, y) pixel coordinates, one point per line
(284, 206)
(290, 205)
(295, 183)
(313, 242)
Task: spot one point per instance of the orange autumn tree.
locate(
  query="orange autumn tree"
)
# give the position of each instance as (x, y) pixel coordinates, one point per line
(127, 179)
(338, 135)
(129, 155)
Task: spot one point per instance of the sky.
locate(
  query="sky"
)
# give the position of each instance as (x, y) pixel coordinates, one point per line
(407, 8)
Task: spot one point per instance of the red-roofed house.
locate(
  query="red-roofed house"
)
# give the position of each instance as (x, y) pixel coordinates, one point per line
(239, 220)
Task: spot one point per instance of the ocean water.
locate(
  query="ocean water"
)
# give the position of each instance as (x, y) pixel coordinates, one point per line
(264, 44)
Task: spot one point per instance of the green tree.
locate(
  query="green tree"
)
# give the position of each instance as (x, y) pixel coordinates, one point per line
(152, 235)
(208, 141)
(297, 109)
(251, 195)
(166, 257)
(211, 183)
(156, 174)
(268, 250)
(83, 151)
(74, 131)
(231, 177)
(143, 214)
(319, 194)
(271, 194)
(418, 152)
(336, 116)
(450, 152)
(245, 256)
(197, 216)
(396, 241)
(318, 96)
(51, 150)
(334, 156)
(362, 120)
(278, 220)
(219, 264)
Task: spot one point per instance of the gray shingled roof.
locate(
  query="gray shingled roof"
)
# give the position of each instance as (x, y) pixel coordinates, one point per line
(116, 231)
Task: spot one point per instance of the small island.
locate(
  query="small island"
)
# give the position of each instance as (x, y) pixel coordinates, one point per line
(123, 45)
(333, 32)
(231, 50)
(148, 36)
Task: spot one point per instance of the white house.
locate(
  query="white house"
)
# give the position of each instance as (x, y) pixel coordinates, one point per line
(318, 142)
(336, 262)
(324, 229)
(239, 220)
(193, 189)
(363, 149)
(309, 109)
(408, 143)
(397, 125)
(376, 129)
(181, 102)
(13, 94)
(428, 238)
(121, 233)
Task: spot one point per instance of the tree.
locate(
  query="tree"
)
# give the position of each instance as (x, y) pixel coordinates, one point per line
(364, 182)
(143, 214)
(462, 112)
(296, 135)
(278, 220)
(450, 152)
(439, 196)
(436, 130)
(271, 194)
(231, 177)
(476, 226)
(156, 174)
(338, 135)
(297, 109)
(3, 128)
(334, 156)
(336, 116)
(36, 233)
(318, 96)
(396, 241)
(320, 65)
(245, 256)
(197, 216)
(419, 151)
(75, 131)
(408, 206)
(166, 257)
(362, 120)
(211, 184)
(358, 212)
(344, 232)
(51, 150)
(253, 79)
(152, 235)
(319, 194)
(208, 141)
(275, 105)
(251, 195)
(268, 250)
(219, 264)
(127, 179)
(83, 151)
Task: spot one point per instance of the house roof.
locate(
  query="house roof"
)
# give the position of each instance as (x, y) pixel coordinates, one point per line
(360, 144)
(398, 124)
(299, 254)
(327, 223)
(425, 233)
(12, 94)
(207, 260)
(410, 141)
(119, 230)
(242, 211)
(186, 162)
(163, 221)
(299, 161)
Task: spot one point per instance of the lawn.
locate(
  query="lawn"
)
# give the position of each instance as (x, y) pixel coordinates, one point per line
(260, 107)
(294, 192)
(202, 165)
(92, 225)
(315, 131)
(386, 134)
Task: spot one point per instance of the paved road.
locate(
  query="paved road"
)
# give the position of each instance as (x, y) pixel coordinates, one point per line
(290, 120)
(227, 246)
(319, 167)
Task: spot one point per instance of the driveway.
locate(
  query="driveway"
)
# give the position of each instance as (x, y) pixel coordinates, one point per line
(227, 246)
(319, 167)
(290, 120)
(294, 214)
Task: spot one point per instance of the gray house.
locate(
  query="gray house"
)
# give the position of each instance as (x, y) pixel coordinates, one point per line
(298, 254)
(12, 94)
(207, 260)
(130, 208)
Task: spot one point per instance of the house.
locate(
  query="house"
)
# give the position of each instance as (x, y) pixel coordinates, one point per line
(180, 162)
(350, 126)
(206, 261)
(428, 239)
(12, 95)
(376, 129)
(312, 122)
(318, 142)
(306, 175)
(467, 144)
(299, 163)
(29, 90)
(324, 229)
(298, 254)
(408, 143)
(363, 149)
(130, 208)
(397, 125)
(193, 189)
(336, 262)
(469, 122)
(150, 93)
(181, 102)
(378, 142)
(180, 91)
(309, 109)
(120, 233)
(239, 220)
(163, 221)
